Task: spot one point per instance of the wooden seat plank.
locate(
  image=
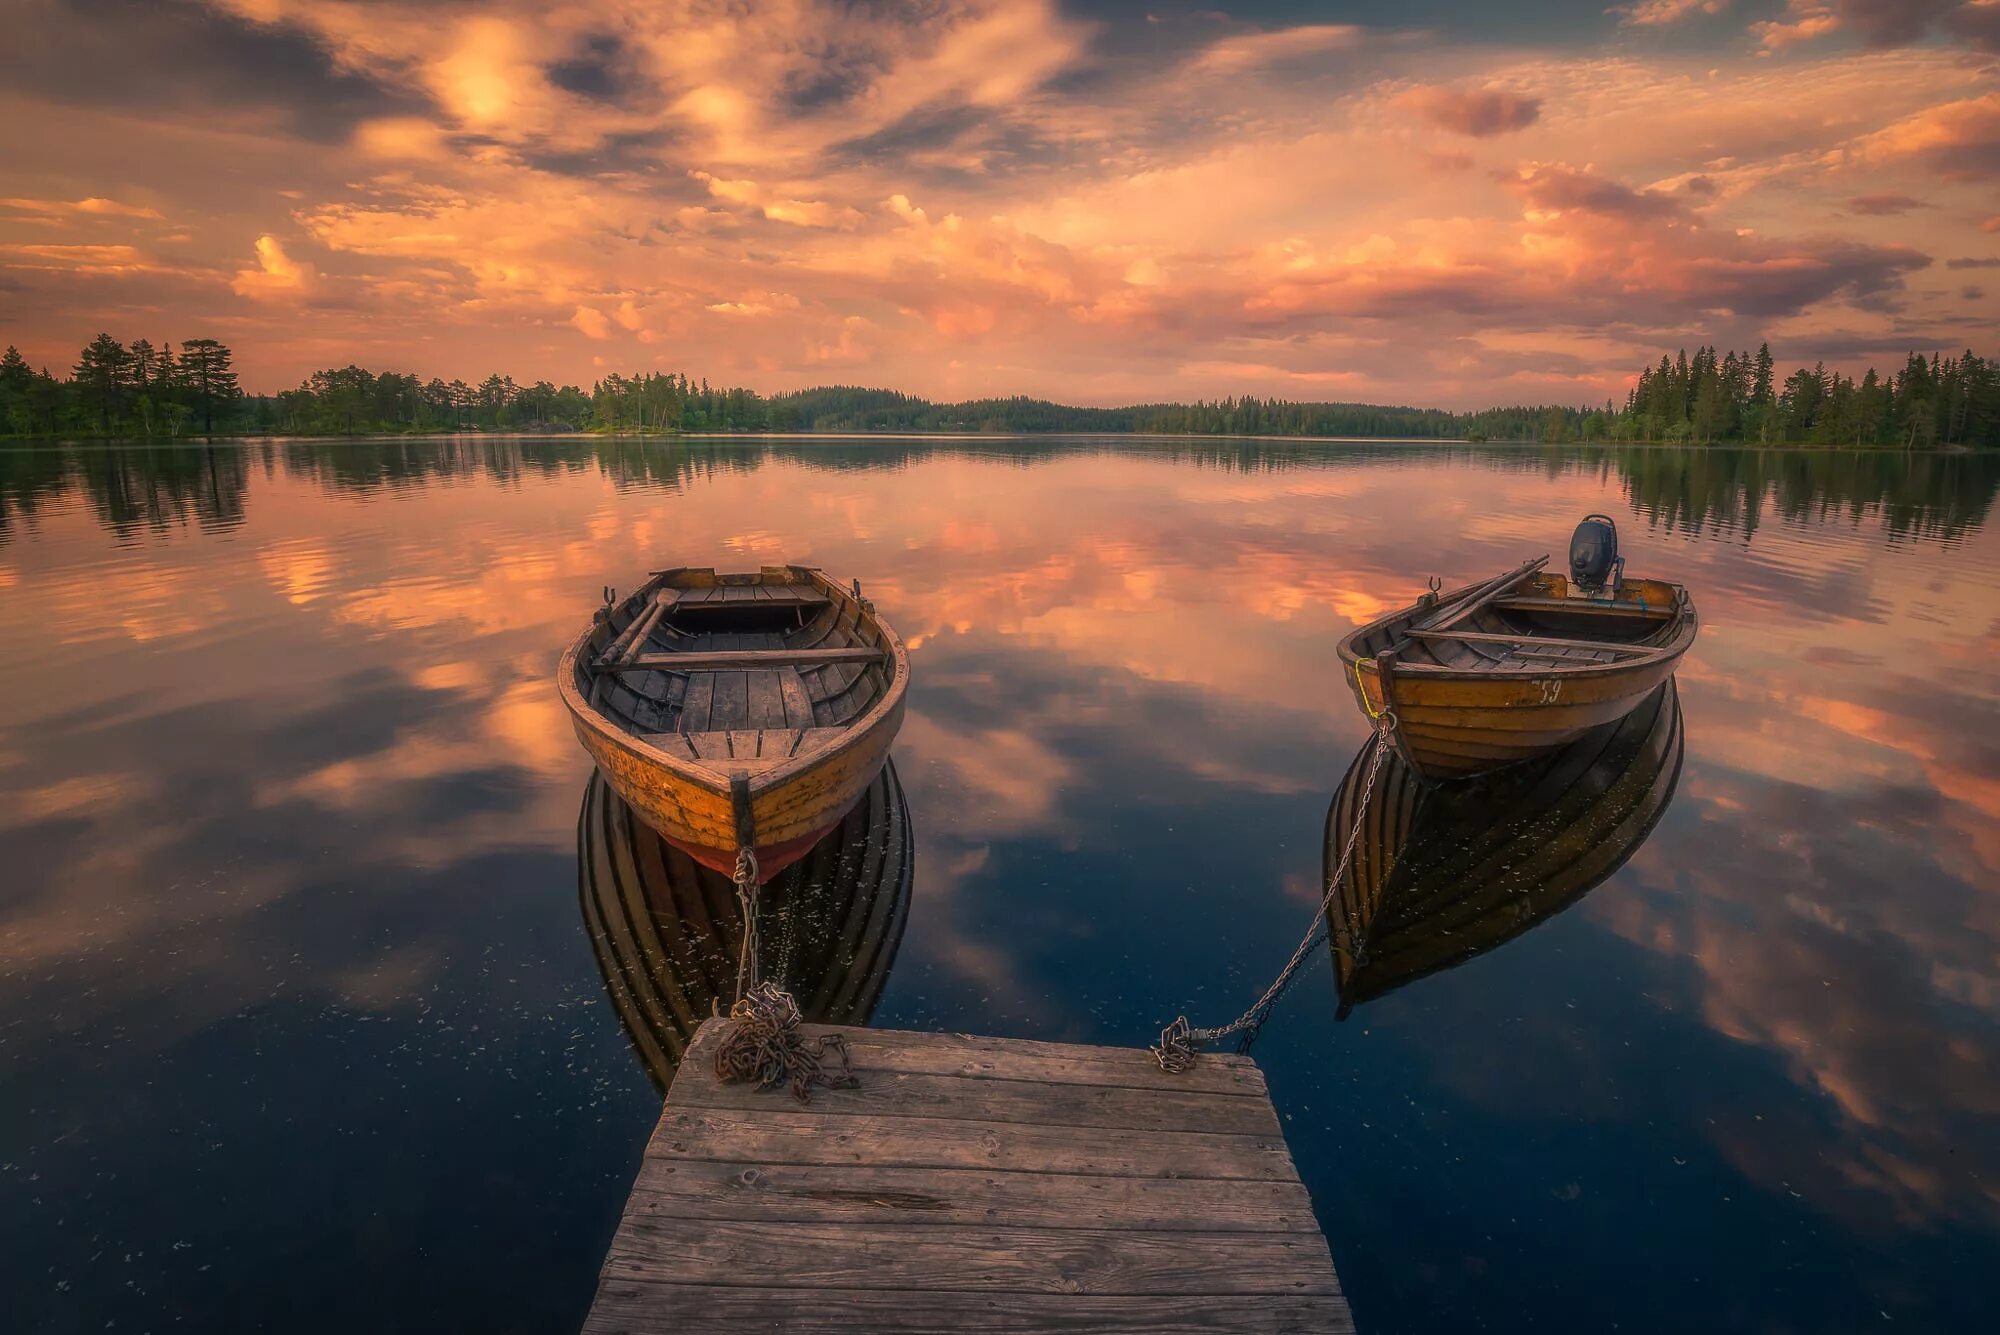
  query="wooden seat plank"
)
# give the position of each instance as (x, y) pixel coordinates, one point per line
(673, 743)
(1555, 641)
(716, 660)
(768, 598)
(754, 749)
(1584, 607)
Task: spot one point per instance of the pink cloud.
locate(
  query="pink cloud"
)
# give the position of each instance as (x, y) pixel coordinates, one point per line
(1658, 13)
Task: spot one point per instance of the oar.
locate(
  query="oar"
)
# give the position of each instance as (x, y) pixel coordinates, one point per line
(1484, 594)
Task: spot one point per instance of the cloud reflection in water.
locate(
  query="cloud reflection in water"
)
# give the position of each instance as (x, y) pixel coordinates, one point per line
(288, 807)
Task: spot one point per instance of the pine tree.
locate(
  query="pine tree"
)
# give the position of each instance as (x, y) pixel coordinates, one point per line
(103, 375)
(206, 371)
(14, 371)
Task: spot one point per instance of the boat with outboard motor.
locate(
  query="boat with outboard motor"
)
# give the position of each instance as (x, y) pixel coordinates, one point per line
(1519, 665)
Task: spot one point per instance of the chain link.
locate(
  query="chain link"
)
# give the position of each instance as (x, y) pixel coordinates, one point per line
(1180, 1042)
(746, 899)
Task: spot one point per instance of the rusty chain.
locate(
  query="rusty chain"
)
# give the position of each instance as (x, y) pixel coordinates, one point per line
(1180, 1042)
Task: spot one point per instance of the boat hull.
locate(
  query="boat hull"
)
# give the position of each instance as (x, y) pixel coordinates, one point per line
(1455, 721)
(700, 820)
(1452, 729)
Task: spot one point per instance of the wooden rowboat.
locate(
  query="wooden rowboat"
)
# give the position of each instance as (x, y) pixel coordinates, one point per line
(1444, 873)
(1495, 673)
(667, 930)
(740, 709)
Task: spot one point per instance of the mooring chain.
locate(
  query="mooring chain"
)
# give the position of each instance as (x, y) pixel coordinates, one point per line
(1180, 1042)
(763, 1044)
(747, 880)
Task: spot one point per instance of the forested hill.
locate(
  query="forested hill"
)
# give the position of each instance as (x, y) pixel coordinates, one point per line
(120, 391)
(851, 408)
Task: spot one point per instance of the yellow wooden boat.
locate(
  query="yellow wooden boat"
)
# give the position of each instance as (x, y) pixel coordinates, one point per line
(738, 709)
(1443, 873)
(1498, 672)
(667, 931)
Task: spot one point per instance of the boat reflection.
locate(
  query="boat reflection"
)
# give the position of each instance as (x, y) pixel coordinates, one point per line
(1442, 874)
(666, 929)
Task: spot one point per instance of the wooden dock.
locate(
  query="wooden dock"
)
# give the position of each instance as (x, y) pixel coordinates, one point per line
(970, 1184)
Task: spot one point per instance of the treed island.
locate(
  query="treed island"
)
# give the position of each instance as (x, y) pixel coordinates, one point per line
(140, 390)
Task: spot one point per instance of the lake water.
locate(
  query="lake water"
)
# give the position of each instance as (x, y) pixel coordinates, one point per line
(301, 1028)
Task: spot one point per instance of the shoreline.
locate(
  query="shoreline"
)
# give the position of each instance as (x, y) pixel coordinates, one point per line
(29, 443)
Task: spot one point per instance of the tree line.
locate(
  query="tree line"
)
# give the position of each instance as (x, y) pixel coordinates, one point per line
(115, 390)
(1736, 397)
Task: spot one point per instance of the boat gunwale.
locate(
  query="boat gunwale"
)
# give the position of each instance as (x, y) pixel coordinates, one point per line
(1689, 623)
(699, 772)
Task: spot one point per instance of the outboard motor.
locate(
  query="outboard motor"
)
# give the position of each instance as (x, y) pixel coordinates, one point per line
(1593, 554)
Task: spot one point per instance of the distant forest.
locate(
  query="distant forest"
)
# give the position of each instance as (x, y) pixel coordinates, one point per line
(117, 391)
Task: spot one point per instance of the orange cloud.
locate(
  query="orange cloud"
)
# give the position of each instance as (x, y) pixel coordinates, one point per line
(277, 275)
(1246, 51)
(1657, 13)
(1961, 136)
(978, 198)
(94, 206)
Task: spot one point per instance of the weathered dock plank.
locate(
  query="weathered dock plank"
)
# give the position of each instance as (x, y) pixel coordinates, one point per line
(970, 1184)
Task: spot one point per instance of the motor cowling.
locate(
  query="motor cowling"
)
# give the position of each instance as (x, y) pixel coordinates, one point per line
(1593, 552)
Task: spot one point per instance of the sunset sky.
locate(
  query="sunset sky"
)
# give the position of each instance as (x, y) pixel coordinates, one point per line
(1433, 202)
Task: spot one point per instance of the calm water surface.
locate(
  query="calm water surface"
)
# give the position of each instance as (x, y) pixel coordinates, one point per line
(300, 1026)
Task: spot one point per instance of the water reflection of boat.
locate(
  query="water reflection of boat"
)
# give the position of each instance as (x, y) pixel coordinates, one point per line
(667, 929)
(1496, 673)
(739, 708)
(1441, 874)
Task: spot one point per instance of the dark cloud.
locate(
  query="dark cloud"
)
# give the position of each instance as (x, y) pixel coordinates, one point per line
(1976, 24)
(1972, 293)
(1558, 187)
(627, 153)
(828, 84)
(1892, 22)
(1879, 206)
(1984, 262)
(1785, 283)
(922, 144)
(161, 55)
(600, 70)
(1480, 112)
